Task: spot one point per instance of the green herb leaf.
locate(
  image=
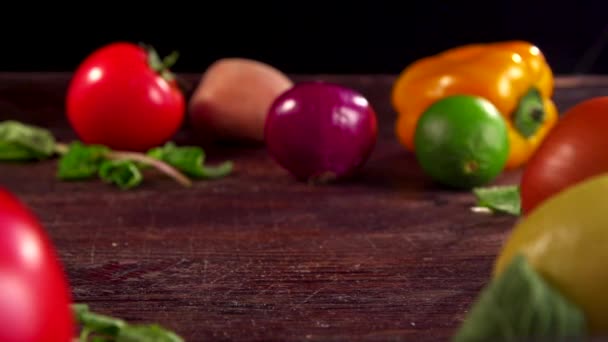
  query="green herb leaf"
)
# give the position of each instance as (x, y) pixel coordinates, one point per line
(190, 160)
(81, 161)
(97, 327)
(146, 333)
(505, 199)
(21, 142)
(122, 173)
(519, 305)
(96, 323)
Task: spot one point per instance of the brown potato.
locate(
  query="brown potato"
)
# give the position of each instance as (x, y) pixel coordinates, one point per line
(232, 99)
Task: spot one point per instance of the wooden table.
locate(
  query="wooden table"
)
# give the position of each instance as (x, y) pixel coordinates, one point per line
(258, 256)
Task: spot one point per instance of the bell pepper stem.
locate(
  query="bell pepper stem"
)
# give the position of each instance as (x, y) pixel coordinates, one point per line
(530, 113)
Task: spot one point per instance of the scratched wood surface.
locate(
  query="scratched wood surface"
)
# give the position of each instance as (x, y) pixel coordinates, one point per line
(258, 256)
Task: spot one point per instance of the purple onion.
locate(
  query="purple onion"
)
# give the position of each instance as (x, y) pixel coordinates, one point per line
(320, 131)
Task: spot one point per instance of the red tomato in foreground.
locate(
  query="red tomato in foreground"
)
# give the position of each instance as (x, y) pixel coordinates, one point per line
(117, 99)
(575, 150)
(34, 292)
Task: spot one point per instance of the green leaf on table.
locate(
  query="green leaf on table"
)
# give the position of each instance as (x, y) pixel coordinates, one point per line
(22, 142)
(98, 327)
(190, 160)
(146, 333)
(518, 305)
(505, 198)
(81, 161)
(123, 173)
(95, 323)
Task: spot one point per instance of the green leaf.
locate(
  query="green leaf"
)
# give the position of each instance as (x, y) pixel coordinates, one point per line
(505, 199)
(22, 142)
(122, 173)
(190, 160)
(105, 328)
(146, 333)
(96, 323)
(519, 305)
(81, 161)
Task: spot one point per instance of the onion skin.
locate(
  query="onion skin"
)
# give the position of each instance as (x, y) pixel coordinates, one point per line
(232, 99)
(320, 131)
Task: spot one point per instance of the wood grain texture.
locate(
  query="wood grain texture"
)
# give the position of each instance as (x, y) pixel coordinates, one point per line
(257, 256)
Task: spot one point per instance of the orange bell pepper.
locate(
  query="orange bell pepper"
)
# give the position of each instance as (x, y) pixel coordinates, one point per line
(512, 75)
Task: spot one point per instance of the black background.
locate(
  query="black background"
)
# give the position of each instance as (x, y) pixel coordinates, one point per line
(304, 37)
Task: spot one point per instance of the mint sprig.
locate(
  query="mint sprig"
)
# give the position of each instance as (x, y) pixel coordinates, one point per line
(122, 168)
(190, 160)
(98, 327)
(520, 305)
(22, 142)
(502, 199)
(123, 173)
(79, 161)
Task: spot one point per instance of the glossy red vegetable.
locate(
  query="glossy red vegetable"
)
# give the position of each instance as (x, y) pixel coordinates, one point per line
(34, 293)
(320, 131)
(123, 96)
(574, 151)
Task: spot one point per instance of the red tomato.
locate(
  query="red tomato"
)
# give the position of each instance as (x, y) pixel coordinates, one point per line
(116, 98)
(574, 151)
(34, 292)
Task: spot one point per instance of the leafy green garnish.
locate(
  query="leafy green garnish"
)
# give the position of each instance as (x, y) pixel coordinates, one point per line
(505, 199)
(22, 142)
(81, 161)
(123, 173)
(518, 305)
(97, 327)
(190, 160)
(146, 333)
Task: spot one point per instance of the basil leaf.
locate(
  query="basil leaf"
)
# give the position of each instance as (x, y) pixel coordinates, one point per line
(146, 333)
(99, 327)
(123, 173)
(21, 142)
(190, 160)
(15, 152)
(505, 199)
(81, 161)
(96, 323)
(519, 305)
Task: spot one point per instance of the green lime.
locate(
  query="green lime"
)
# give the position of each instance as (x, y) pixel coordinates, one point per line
(462, 141)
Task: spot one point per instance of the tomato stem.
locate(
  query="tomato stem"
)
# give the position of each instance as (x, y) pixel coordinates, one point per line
(170, 59)
(161, 66)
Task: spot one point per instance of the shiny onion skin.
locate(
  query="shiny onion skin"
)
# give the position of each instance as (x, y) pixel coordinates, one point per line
(320, 131)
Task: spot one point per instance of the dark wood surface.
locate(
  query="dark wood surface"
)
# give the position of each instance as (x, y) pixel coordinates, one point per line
(257, 256)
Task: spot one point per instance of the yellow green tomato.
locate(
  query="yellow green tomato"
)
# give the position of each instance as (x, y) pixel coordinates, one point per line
(566, 240)
(462, 141)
